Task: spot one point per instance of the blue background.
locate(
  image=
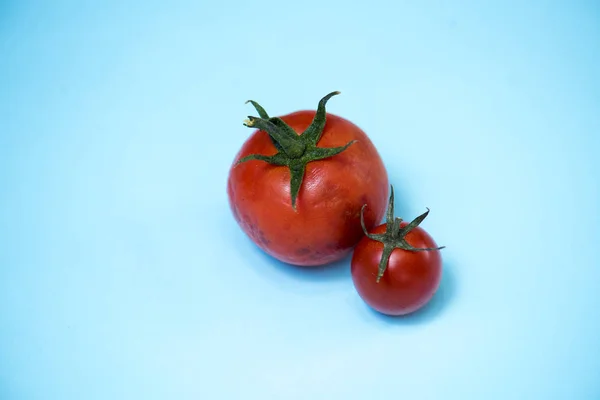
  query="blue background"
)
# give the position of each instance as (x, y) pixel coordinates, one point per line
(124, 276)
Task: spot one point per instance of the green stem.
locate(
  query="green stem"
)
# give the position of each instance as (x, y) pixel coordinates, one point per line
(297, 170)
(289, 144)
(394, 237)
(261, 111)
(294, 150)
(314, 131)
(396, 226)
(383, 262)
(389, 217)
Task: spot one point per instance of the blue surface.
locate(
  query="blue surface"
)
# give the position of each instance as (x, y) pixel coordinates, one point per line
(124, 276)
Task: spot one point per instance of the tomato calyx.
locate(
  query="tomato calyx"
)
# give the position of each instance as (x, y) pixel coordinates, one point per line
(394, 236)
(293, 151)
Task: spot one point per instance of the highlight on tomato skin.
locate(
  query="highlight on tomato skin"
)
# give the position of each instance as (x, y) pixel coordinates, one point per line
(396, 267)
(297, 185)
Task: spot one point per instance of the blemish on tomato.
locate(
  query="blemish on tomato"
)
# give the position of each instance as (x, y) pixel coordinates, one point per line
(333, 246)
(263, 238)
(303, 251)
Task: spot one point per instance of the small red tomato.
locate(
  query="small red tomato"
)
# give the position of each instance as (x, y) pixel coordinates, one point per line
(297, 185)
(397, 267)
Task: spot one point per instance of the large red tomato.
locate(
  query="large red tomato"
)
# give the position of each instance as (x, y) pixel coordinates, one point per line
(397, 267)
(297, 185)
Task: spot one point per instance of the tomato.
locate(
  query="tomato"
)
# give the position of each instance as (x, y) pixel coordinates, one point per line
(298, 183)
(397, 267)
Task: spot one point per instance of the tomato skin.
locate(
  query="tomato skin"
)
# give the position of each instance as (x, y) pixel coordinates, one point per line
(410, 279)
(325, 226)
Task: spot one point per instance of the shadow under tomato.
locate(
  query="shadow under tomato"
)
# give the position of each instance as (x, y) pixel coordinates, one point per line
(333, 271)
(436, 306)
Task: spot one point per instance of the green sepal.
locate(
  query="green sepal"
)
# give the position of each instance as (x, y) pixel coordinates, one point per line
(312, 134)
(293, 150)
(394, 237)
